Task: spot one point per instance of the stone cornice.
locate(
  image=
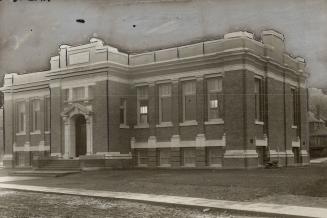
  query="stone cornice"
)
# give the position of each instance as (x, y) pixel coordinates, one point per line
(240, 47)
(216, 60)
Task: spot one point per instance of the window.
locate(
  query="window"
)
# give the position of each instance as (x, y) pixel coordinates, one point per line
(21, 118)
(142, 157)
(295, 106)
(142, 102)
(215, 98)
(164, 157)
(214, 156)
(78, 93)
(35, 115)
(47, 113)
(122, 111)
(258, 99)
(165, 103)
(189, 157)
(189, 100)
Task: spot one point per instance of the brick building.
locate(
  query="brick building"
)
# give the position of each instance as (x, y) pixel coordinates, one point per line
(234, 102)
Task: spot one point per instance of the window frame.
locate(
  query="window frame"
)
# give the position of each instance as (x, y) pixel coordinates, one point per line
(142, 97)
(21, 129)
(35, 115)
(75, 93)
(184, 95)
(123, 106)
(259, 99)
(295, 106)
(47, 114)
(164, 96)
(216, 93)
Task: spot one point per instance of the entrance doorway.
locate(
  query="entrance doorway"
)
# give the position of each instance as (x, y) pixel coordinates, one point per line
(296, 152)
(80, 135)
(262, 155)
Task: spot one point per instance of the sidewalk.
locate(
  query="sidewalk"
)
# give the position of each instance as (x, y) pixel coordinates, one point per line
(245, 207)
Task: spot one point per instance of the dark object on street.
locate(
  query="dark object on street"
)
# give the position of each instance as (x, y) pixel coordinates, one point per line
(272, 164)
(80, 20)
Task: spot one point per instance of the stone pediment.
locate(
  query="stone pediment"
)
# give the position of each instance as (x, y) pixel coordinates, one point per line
(75, 109)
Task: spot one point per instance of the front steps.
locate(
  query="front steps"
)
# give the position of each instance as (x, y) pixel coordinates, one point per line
(57, 164)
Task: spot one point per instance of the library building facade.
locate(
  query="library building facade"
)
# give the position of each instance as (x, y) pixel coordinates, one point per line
(235, 102)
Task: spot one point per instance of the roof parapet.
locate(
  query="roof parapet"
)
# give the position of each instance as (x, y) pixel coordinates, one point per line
(9, 79)
(238, 34)
(271, 47)
(300, 59)
(273, 33)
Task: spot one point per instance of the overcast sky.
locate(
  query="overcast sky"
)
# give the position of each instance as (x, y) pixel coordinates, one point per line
(31, 32)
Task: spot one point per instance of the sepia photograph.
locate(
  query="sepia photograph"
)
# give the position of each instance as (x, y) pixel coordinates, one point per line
(163, 108)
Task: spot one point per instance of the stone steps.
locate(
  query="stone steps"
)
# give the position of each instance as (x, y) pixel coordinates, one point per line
(62, 165)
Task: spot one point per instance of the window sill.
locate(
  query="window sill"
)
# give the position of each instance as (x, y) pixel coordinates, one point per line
(78, 100)
(214, 122)
(165, 124)
(257, 122)
(189, 123)
(47, 132)
(36, 132)
(123, 126)
(141, 126)
(294, 127)
(20, 133)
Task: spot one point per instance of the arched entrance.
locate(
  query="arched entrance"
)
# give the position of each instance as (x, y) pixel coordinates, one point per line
(80, 135)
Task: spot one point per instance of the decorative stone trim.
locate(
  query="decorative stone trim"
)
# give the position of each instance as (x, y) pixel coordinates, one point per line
(240, 154)
(59, 155)
(262, 142)
(164, 124)
(274, 33)
(7, 157)
(257, 122)
(304, 152)
(67, 115)
(28, 148)
(289, 153)
(297, 143)
(281, 154)
(294, 127)
(123, 126)
(273, 153)
(142, 126)
(175, 142)
(114, 155)
(238, 34)
(189, 123)
(37, 132)
(20, 133)
(214, 122)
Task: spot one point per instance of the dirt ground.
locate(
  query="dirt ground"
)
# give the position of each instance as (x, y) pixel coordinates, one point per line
(28, 204)
(303, 186)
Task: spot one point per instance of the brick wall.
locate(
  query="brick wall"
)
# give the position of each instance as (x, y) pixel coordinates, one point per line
(57, 130)
(100, 119)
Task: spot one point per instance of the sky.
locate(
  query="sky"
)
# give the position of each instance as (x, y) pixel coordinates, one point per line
(31, 31)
